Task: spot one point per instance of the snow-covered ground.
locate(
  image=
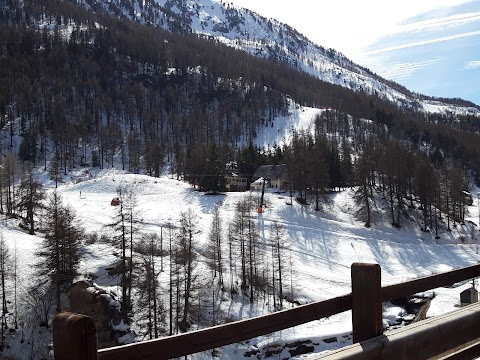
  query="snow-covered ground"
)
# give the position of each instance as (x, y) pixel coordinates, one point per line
(322, 246)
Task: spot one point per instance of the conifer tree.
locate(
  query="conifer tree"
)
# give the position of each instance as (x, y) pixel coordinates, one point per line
(364, 194)
(59, 256)
(215, 255)
(425, 188)
(8, 173)
(130, 205)
(320, 177)
(252, 238)
(120, 238)
(54, 168)
(30, 197)
(238, 240)
(5, 264)
(186, 258)
(277, 242)
(148, 297)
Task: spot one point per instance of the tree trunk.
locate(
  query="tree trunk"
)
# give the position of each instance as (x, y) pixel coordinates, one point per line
(125, 302)
(171, 288)
(250, 248)
(188, 284)
(130, 267)
(57, 261)
(154, 290)
(280, 285)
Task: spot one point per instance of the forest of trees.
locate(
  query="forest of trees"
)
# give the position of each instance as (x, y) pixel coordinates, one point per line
(83, 94)
(27, 303)
(235, 260)
(85, 89)
(238, 263)
(405, 175)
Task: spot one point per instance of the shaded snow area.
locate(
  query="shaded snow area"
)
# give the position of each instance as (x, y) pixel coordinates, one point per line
(321, 246)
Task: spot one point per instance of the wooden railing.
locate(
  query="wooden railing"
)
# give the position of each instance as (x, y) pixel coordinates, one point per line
(75, 336)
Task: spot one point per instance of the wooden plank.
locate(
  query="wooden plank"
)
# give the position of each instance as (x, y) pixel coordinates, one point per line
(430, 282)
(366, 302)
(426, 339)
(201, 340)
(74, 337)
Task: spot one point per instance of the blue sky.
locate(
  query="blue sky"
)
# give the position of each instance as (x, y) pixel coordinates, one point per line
(428, 46)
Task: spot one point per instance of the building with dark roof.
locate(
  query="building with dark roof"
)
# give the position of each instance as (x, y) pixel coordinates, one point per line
(275, 175)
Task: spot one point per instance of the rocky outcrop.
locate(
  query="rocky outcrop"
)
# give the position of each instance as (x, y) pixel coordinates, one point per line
(89, 299)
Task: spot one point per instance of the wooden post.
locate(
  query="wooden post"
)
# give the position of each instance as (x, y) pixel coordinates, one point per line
(366, 301)
(74, 337)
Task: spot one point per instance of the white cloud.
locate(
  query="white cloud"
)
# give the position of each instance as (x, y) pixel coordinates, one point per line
(402, 71)
(439, 23)
(422, 43)
(475, 64)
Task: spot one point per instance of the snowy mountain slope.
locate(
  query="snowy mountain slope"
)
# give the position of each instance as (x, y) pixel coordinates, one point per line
(270, 39)
(321, 246)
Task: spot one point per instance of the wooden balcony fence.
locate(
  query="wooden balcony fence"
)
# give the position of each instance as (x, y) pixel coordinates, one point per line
(453, 336)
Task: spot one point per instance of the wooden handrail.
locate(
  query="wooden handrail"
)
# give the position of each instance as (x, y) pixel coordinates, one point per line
(365, 290)
(205, 339)
(429, 282)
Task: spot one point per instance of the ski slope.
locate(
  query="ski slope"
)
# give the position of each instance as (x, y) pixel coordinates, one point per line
(322, 246)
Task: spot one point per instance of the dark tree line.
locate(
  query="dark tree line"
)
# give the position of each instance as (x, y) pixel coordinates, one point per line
(149, 97)
(100, 93)
(60, 253)
(315, 165)
(407, 178)
(404, 174)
